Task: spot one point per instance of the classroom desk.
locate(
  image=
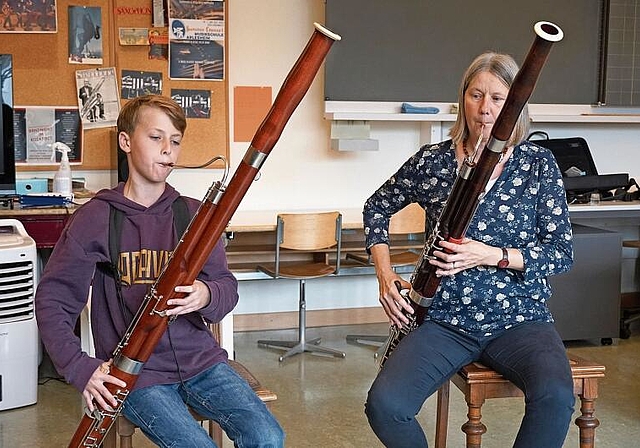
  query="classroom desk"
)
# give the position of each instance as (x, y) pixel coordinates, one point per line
(43, 224)
(46, 224)
(265, 220)
(613, 209)
(251, 237)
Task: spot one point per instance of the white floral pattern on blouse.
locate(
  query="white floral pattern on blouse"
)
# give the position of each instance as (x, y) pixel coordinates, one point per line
(526, 209)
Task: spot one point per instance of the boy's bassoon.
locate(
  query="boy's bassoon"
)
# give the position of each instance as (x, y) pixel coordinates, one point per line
(199, 239)
(470, 184)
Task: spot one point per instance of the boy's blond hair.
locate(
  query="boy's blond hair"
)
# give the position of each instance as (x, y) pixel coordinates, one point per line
(128, 118)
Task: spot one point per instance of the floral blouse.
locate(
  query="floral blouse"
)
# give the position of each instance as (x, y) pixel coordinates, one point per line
(526, 208)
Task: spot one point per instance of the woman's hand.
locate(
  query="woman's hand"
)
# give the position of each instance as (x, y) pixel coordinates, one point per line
(454, 258)
(390, 297)
(95, 392)
(197, 297)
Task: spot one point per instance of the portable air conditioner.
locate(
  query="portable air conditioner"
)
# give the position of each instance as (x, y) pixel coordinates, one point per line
(19, 341)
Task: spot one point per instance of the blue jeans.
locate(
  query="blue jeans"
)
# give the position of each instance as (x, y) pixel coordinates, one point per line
(218, 393)
(531, 355)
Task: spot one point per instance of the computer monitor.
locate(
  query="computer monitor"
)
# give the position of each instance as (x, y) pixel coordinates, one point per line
(7, 157)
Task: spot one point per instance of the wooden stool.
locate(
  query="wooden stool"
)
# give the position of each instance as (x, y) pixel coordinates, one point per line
(124, 429)
(479, 383)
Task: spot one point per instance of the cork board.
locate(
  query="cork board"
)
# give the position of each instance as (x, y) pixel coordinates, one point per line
(43, 77)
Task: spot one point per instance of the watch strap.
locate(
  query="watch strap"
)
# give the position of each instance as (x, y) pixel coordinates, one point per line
(504, 262)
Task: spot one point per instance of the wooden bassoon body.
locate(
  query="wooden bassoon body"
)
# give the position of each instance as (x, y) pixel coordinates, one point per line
(199, 239)
(470, 185)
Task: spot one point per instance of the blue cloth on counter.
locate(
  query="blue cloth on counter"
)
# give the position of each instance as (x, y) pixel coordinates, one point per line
(44, 200)
(407, 108)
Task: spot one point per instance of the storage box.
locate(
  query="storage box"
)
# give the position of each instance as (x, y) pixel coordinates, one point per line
(29, 186)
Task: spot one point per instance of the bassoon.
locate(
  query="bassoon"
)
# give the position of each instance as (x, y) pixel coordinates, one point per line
(195, 246)
(469, 186)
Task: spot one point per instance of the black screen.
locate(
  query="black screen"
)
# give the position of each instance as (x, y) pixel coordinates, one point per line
(7, 162)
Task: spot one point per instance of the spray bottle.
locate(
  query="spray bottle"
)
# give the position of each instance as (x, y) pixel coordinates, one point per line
(62, 183)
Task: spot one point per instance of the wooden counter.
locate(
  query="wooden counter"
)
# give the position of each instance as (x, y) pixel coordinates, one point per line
(265, 220)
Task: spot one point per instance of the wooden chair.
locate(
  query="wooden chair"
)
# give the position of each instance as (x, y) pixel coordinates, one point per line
(123, 429)
(479, 383)
(406, 234)
(317, 236)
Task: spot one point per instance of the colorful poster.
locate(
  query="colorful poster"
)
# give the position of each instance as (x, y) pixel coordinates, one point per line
(85, 35)
(28, 16)
(196, 39)
(98, 98)
(133, 36)
(36, 128)
(159, 43)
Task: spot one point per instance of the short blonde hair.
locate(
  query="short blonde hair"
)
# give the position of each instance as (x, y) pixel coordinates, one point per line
(505, 68)
(128, 118)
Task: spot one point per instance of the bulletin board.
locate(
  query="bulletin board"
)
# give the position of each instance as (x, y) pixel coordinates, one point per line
(44, 77)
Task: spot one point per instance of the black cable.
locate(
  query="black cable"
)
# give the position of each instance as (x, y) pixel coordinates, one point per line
(175, 356)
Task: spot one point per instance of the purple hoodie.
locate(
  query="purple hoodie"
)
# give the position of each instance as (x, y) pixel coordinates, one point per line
(146, 240)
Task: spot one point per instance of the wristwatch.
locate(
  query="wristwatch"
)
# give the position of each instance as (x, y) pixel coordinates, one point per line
(504, 262)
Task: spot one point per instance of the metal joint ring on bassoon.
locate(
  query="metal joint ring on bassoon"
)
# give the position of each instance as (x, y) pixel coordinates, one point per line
(495, 145)
(216, 189)
(418, 299)
(215, 193)
(128, 365)
(254, 158)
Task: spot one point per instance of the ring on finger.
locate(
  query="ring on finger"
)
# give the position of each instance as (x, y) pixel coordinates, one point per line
(453, 265)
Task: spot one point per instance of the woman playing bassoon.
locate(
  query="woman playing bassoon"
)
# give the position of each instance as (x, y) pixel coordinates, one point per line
(490, 260)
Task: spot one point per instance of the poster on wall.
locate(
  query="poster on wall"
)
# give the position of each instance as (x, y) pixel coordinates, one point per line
(28, 16)
(159, 44)
(137, 83)
(195, 103)
(85, 35)
(98, 98)
(37, 128)
(196, 39)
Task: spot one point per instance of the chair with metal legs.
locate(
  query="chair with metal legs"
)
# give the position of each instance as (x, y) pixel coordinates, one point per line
(311, 242)
(406, 234)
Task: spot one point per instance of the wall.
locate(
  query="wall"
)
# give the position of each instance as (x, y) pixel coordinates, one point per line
(302, 172)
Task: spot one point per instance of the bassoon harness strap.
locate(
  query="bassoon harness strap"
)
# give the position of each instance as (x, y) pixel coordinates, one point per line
(181, 219)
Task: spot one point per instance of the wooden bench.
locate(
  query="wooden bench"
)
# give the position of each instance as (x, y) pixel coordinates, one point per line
(479, 383)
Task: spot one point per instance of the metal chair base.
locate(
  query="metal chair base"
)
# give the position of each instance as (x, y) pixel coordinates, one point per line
(367, 339)
(296, 347)
(302, 344)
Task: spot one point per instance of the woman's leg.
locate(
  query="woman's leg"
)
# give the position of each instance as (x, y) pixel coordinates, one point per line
(164, 418)
(532, 356)
(223, 395)
(422, 362)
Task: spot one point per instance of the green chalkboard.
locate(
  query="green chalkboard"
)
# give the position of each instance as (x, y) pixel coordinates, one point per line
(417, 50)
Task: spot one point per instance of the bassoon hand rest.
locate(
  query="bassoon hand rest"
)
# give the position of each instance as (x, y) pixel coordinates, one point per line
(470, 184)
(199, 239)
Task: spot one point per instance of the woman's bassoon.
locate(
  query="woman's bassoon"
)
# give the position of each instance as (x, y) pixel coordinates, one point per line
(199, 239)
(470, 184)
